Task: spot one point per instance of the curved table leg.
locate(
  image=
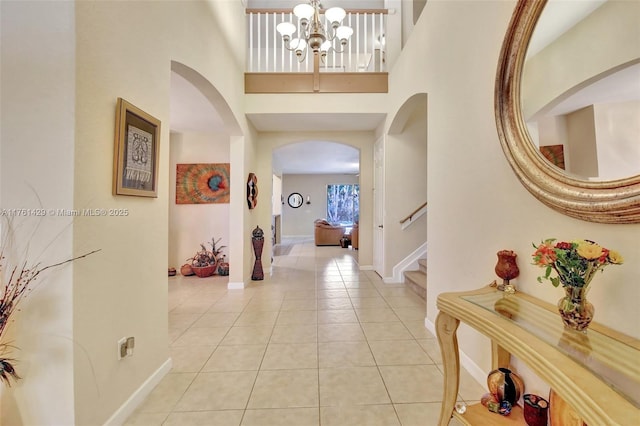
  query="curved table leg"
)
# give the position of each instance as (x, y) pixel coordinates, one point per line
(446, 327)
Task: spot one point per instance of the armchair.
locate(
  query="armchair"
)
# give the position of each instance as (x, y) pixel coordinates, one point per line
(327, 234)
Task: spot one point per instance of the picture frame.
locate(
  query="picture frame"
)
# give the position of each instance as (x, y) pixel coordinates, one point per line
(136, 151)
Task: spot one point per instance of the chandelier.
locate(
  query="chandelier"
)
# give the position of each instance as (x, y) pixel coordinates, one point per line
(312, 33)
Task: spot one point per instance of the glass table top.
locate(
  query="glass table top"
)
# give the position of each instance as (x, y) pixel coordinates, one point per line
(614, 360)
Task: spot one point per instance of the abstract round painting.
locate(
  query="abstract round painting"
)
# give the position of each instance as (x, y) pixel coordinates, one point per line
(202, 183)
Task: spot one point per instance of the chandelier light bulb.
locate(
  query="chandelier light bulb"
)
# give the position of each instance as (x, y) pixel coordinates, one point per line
(335, 15)
(286, 30)
(343, 33)
(304, 12)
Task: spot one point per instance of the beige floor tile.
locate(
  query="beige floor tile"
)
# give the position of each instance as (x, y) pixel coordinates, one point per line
(332, 294)
(299, 305)
(167, 393)
(285, 389)
(432, 348)
(411, 313)
(189, 359)
(297, 317)
(413, 383)
(364, 284)
(201, 336)
(339, 303)
(282, 416)
(235, 358)
(398, 352)
(217, 391)
(363, 292)
(405, 301)
(290, 356)
(216, 319)
(329, 285)
(205, 418)
(340, 333)
(419, 414)
(418, 329)
(352, 386)
(297, 333)
(183, 321)
(256, 318)
(369, 302)
(369, 415)
(249, 335)
(146, 419)
(337, 316)
(386, 331)
(376, 315)
(345, 354)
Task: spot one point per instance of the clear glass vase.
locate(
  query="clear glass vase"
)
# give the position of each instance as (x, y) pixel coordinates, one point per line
(575, 310)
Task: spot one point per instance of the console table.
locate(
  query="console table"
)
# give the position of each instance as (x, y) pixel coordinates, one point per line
(596, 373)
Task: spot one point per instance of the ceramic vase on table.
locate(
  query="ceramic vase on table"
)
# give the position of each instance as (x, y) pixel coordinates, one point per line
(574, 308)
(535, 410)
(505, 385)
(506, 268)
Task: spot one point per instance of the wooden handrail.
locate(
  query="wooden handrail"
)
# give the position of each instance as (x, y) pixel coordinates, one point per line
(413, 212)
(287, 11)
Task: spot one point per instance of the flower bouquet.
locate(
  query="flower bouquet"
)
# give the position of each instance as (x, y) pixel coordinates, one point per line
(575, 264)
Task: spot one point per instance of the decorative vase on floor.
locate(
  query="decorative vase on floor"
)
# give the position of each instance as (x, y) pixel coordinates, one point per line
(257, 239)
(505, 385)
(575, 310)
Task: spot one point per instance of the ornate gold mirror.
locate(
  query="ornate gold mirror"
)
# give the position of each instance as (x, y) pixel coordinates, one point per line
(585, 197)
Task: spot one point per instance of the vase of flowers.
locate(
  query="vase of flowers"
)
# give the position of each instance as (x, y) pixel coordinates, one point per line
(575, 263)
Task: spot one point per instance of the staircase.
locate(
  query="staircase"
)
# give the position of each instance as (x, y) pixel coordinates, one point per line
(417, 280)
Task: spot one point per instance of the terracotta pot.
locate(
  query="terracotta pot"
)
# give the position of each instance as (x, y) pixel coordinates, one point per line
(186, 270)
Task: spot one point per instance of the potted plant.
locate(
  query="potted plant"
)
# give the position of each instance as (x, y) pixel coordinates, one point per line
(205, 262)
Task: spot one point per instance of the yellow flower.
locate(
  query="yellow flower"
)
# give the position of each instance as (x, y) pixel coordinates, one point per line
(615, 257)
(589, 251)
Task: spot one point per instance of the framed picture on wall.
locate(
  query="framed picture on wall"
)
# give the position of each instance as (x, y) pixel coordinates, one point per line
(136, 152)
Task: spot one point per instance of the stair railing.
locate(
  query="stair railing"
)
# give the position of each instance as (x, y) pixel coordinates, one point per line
(408, 220)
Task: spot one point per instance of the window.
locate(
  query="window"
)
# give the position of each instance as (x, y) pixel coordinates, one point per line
(343, 203)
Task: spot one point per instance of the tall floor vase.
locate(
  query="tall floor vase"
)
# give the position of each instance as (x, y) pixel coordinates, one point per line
(257, 239)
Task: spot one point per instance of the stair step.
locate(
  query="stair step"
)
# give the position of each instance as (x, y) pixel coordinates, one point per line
(422, 264)
(417, 282)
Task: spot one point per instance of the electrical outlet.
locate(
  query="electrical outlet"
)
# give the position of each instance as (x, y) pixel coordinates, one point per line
(122, 348)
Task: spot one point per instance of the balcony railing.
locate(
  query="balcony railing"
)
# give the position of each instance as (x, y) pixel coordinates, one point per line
(365, 51)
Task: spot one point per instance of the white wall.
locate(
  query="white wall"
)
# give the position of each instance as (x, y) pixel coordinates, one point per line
(406, 187)
(37, 164)
(193, 224)
(477, 206)
(58, 113)
(299, 222)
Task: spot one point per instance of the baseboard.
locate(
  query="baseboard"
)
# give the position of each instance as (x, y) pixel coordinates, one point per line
(366, 267)
(236, 285)
(476, 372)
(406, 263)
(130, 405)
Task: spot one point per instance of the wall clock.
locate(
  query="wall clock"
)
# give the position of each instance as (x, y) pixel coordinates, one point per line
(295, 200)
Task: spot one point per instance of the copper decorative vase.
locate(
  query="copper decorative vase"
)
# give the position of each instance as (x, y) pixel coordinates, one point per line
(506, 268)
(575, 310)
(505, 385)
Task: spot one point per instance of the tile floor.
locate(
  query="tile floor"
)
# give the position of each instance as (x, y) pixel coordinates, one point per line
(318, 342)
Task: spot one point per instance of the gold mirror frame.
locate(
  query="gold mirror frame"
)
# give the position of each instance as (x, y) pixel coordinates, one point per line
(616, 201)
